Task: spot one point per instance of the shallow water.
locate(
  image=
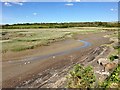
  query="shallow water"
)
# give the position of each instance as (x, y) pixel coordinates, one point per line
(85, 45)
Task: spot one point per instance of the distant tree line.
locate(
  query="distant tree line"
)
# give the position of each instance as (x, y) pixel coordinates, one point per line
(60, 25)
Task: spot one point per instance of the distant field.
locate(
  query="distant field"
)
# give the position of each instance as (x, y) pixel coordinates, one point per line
(22, 39)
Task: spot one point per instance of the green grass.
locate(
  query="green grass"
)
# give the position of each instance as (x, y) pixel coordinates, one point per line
(23, 39)
(28, 41)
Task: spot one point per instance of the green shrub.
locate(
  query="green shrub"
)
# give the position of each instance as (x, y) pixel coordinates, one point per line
(113, 57)
(81, 77)
(113, 81)
(118, 48)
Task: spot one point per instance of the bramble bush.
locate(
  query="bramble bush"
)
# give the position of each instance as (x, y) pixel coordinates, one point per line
(81, 77)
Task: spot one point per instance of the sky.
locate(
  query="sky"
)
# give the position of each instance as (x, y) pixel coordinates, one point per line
(59, 0)
(37, 12)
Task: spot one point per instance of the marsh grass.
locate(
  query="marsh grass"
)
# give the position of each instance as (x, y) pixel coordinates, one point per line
(19, 40)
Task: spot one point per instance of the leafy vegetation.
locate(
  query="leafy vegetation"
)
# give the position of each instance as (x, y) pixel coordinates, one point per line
(81, 77)
(113, 57)
(117, 48)
(60, 25)
(113, 81)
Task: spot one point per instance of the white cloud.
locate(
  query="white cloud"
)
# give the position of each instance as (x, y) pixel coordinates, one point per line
(77, 0)
(69, 4)
(68, 0)
(73, 0)
(10, 2)
(112, 9)
(7, 4)
(60, 0)
(34, 14)
(19, 3)
(13, 0)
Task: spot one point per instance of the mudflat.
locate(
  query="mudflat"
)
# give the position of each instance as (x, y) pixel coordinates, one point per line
(21, 66)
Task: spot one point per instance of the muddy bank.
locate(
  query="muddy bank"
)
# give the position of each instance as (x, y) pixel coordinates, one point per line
(47, 68)
(56, 77)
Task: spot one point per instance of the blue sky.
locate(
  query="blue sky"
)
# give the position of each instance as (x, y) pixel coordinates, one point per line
(36, 12)
(59, 0)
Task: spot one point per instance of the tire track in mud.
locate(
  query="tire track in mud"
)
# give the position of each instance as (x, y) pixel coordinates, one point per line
(54, 78)
(56, 63)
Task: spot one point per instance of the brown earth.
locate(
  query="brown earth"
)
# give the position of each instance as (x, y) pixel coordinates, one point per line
(21, 66)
